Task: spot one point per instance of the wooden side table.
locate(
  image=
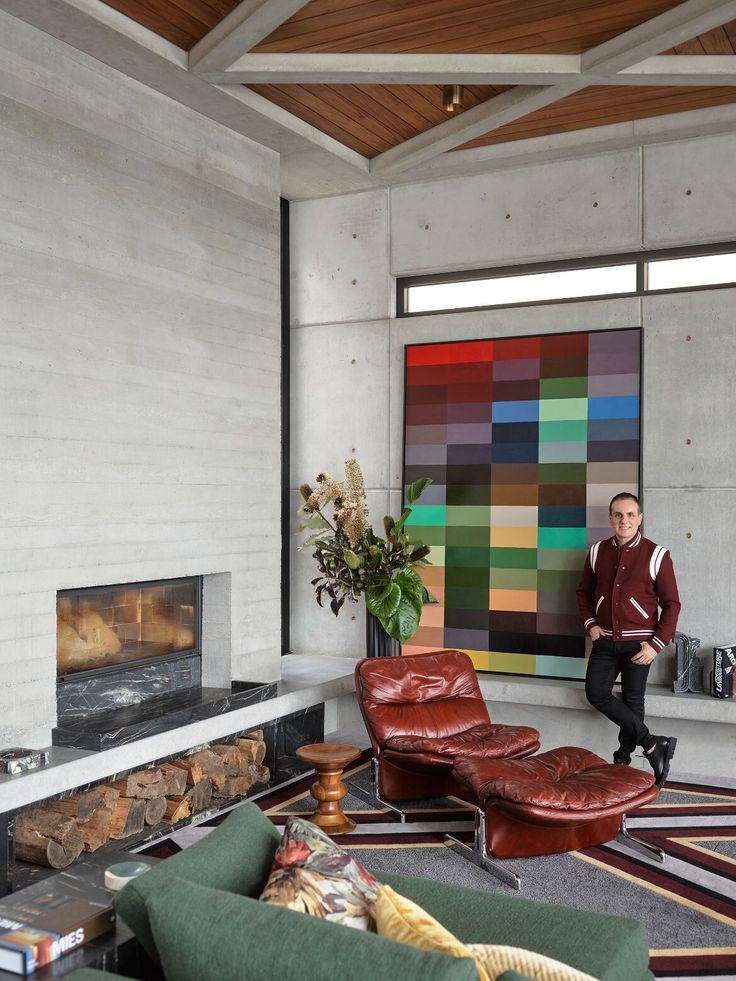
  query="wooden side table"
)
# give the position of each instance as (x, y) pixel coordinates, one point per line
(329, 760)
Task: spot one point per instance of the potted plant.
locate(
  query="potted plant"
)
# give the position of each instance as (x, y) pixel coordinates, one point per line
(354, 561)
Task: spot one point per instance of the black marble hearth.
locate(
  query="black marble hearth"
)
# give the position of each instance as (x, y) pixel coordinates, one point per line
(115, 727)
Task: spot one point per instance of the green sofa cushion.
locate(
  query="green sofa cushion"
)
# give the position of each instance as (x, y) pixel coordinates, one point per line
(235, 857)
(205, 934)
(610, 948)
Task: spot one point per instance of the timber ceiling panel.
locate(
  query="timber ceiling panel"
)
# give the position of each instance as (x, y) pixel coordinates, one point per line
(374, 119)
(601, 105)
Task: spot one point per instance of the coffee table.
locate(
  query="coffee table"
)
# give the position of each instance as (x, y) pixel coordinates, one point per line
(329, 760)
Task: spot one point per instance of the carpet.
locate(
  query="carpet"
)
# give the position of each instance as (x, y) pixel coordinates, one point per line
(687, 905)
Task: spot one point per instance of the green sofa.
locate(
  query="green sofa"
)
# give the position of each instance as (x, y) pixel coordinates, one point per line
(198, 915)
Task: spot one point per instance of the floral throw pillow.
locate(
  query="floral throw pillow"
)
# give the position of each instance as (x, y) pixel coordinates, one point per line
(312, 874)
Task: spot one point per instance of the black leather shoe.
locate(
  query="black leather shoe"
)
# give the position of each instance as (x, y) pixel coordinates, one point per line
(661, 757)
(623, 759)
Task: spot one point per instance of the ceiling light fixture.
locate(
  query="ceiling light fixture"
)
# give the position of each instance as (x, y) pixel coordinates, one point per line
(452, 98)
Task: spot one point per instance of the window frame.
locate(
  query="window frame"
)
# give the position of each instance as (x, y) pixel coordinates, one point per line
(639, 259)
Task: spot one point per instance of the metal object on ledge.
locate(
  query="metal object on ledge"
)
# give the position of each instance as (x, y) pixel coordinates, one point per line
(688, 669)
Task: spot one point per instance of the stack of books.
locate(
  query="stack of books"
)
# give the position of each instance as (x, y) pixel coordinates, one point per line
(50, 918)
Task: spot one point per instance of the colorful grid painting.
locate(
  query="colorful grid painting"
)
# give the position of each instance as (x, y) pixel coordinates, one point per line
(526, 440)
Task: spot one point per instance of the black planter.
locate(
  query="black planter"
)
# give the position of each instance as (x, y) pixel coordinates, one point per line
(377, 641)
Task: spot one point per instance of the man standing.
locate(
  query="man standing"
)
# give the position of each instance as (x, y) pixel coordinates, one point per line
(629, 606)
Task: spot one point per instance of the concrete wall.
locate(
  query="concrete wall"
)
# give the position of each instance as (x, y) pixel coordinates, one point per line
(139, 363)
(674, 194)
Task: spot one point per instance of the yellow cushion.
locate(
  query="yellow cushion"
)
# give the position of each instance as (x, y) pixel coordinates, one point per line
(494, 959)
(400, 919)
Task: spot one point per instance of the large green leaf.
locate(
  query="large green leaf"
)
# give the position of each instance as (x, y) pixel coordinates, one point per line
(412, 588)
(383, 599)
(403, 624)
(414, 491)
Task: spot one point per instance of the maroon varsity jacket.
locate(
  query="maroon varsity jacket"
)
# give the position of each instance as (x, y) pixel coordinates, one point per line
(622, 590)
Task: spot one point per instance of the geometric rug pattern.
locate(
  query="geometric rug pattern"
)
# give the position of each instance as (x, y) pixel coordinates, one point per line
(687, 905)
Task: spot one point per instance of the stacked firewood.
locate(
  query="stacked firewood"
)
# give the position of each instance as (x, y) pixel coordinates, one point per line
(55, 835)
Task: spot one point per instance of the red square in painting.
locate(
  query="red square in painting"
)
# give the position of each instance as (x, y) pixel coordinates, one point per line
(449, 353)
(564, 345)
(517, 347)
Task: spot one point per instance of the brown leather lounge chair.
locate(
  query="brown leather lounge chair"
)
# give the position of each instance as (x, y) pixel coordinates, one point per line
(432, 736)
(424, 712)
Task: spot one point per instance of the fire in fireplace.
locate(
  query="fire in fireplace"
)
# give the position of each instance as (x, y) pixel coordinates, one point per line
(103, 627)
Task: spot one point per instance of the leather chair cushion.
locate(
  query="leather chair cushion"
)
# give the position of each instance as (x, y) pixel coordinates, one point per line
(486, 741)
(568, 779)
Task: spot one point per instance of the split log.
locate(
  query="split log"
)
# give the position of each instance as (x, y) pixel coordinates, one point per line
(254, 750)
(46, 838)
(176, 780)
(232, 759)
(260, 773)
(83, 806)
(128, 817)
(96, 831)
(155, 810)
(143, 784)
(177, 808)
(202, 765)
(255, 734)
(235, 786)
(200, 795)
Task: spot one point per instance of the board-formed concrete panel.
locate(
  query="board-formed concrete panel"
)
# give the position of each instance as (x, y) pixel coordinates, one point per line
(689, 402)
(339, 264)
(315, 630)
(340, 400)
(567, 208)
(689, 192)
(705, 562)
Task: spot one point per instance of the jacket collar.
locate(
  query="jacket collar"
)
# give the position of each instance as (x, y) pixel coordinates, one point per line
(632, 544)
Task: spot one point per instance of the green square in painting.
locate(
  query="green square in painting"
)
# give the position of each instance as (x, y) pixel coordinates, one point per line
(558, 581)
(466, 557)
(563, 473)
(427, 514)
(458, 576)
(513, 558)
(478, 517)
(464, 598)
(563, 388)
(474, 537)
(513, 578)
(561, 538)
(563, 431)
(428, 536)
(558, 410)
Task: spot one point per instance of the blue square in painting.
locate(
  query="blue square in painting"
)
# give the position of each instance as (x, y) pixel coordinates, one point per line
(515, 411)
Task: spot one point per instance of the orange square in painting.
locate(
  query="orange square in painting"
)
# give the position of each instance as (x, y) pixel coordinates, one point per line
(516, 600)
(433, 576)
(429, 637)
(432, 616)
(515, 494)
(502, 537)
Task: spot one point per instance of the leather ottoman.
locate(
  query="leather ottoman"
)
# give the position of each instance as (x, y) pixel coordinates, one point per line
(558, 801)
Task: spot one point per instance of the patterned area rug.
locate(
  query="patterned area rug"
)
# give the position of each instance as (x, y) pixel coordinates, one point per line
(688, 905)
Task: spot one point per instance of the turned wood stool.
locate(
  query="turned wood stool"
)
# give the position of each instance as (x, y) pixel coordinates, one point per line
(329, 759)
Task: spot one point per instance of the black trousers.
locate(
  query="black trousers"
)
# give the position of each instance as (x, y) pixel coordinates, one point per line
(607, 659)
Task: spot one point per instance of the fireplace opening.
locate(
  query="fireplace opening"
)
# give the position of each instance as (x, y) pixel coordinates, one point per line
(102, 629)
